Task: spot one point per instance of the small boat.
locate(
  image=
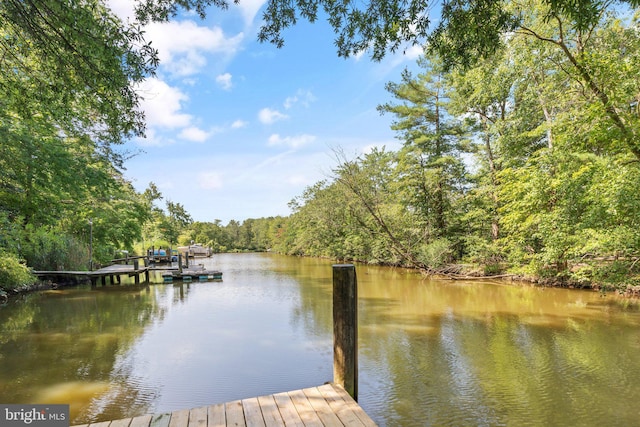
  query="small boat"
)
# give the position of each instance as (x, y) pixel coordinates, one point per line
(195, 250)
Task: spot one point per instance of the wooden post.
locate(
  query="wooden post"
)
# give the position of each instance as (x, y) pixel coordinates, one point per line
(180, 262)
(345, 328)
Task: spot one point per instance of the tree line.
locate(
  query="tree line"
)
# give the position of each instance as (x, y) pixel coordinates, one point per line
(527, 161)
(520, 141)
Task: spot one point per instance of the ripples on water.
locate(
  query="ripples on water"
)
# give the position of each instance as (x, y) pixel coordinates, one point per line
(491, 355)
(432, 353)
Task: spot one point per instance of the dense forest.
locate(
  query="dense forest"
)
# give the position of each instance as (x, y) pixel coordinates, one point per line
(520, 154)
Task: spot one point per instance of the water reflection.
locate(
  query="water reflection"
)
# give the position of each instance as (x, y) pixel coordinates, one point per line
(489, 354)
(431, 352)
(60, 346)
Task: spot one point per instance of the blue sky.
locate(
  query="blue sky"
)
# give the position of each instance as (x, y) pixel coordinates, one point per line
(238, 128)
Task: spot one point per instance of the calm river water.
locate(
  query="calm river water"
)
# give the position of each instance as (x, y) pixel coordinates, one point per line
(432, 353)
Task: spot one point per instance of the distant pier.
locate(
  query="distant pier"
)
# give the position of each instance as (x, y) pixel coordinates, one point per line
(113, 272)
(132, 267)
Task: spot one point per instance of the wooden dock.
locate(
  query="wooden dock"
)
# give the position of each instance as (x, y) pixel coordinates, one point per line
(113, 271)
(191, 273)
(327, 405)
(116, 270)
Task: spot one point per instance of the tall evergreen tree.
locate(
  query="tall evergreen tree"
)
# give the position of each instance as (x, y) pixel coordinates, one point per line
(430, 165)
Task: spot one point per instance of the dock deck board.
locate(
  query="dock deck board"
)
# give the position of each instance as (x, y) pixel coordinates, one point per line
(327, 405)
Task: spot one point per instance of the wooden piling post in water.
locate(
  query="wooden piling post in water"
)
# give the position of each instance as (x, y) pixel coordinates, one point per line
(136, 275)
(345, 328)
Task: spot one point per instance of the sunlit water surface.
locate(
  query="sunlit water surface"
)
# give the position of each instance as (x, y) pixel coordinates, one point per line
(431, 353)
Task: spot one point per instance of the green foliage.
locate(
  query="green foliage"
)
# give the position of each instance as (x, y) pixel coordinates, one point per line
(436, 254)
(69, 71)
(74, 63)
(520, 140)
(468, 29)
(208, 234)
(554, 177)
(45, 248)
(13, 272)
(158, 244)
(610, 274)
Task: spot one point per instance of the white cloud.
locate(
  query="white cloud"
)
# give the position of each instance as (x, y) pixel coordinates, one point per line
(210, 180)
(358, 55)
(268, 116)
(123, 9)
(290, 141)
(162, 104)
(414, 52)
(304, 97)
(182, 45)
(194, 134)
(163, 107)
(238, 124)
(249, 9)
(224, 80)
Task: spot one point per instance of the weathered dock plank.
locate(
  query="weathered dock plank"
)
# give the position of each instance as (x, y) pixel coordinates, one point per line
(322, 408)
(341, 408)
(198, 417)
(121, 423)
(348, 404)
(235, 414)
(304, 408)
(287, 410)
(252, 412)
(158, 420)
(141, 421)
(328, 405)
(217, 416)
(179, 418)
(270, 412)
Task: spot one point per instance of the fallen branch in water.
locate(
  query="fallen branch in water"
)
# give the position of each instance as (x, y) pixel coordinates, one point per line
(498, 276)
